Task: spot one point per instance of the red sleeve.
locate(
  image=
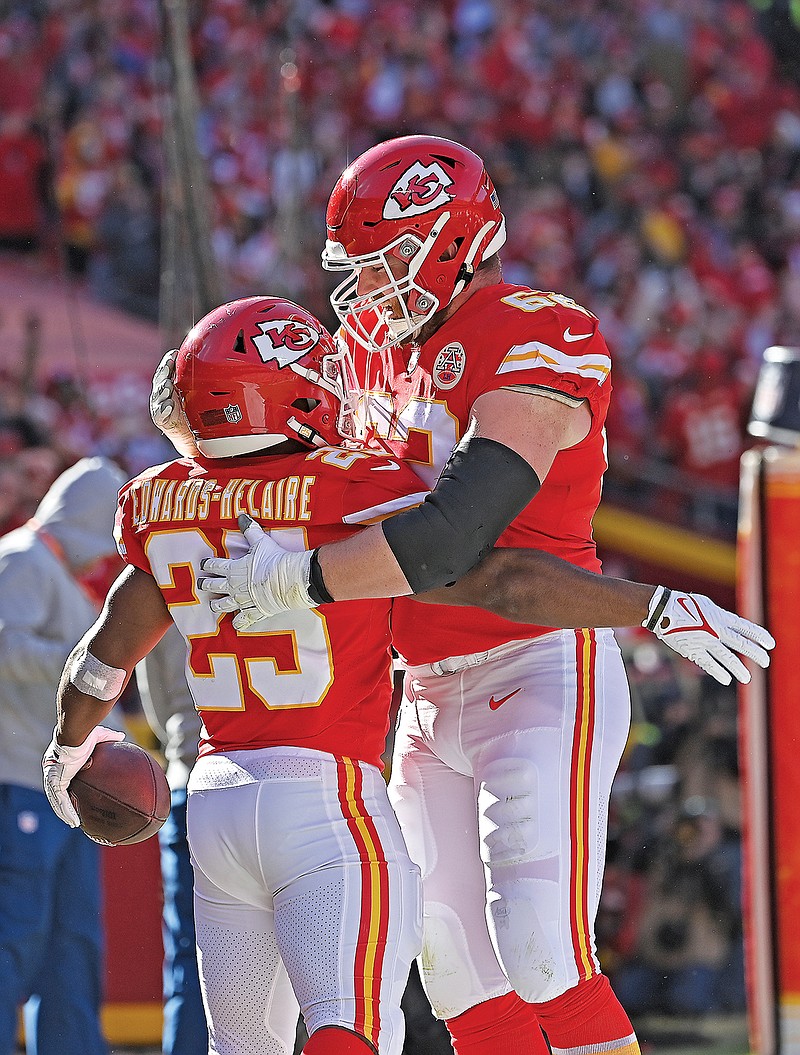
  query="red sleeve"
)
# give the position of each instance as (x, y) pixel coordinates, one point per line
(128, 542)
(542, 342)
(377, 488)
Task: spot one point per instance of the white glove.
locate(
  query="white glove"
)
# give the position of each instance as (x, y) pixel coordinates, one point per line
(166, 411)
(266, 581)
(61, 763)
(701, 631)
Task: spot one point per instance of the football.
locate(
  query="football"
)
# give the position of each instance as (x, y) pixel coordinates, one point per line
(121, 794)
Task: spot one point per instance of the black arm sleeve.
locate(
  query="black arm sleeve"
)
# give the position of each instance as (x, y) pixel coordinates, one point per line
(482, 488)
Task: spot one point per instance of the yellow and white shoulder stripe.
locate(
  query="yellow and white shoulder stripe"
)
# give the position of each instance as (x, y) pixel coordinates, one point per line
(535, 353)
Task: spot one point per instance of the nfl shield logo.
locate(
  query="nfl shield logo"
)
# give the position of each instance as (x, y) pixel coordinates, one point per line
(233, 414)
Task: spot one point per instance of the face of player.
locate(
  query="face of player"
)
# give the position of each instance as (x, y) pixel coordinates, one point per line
(373, 280)
(374, 302)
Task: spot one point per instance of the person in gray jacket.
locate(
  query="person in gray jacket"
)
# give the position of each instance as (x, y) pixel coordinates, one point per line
(171, 714)
(49, 874)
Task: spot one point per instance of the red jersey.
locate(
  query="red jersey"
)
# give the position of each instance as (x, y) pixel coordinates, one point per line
(316, 678)
(704, 433)
(504, 336)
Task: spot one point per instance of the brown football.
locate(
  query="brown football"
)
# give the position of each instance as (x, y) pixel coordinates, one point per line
(121, 794)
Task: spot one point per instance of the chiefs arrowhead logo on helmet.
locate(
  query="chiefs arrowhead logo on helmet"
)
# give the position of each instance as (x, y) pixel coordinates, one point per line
(420, 189)
(421, 215)
(285, 341)
(262, 370)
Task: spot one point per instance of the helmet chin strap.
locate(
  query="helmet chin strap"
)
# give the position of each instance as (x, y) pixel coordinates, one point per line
(306, 433)
(466, 273)
(467, 270)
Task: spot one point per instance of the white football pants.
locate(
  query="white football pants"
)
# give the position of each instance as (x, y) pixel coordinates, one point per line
(501, 776)
(304, 894)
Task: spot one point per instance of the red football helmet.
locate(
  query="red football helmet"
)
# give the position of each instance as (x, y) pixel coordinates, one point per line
(425, 201)
(262, 370)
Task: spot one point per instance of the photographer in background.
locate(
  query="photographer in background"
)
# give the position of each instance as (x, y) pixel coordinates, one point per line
(689, 939)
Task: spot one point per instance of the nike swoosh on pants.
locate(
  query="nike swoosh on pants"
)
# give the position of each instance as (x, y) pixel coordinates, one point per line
(494, 704)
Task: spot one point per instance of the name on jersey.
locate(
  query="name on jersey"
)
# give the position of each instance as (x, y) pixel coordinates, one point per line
(158, 500)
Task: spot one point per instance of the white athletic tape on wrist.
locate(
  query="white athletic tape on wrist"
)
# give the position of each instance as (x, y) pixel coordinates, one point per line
(95, 678)
(296, 580)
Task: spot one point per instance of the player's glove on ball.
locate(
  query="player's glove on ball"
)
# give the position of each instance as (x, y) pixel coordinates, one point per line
(165, 408)
(262, 583)
(708, 635)
(61, 763)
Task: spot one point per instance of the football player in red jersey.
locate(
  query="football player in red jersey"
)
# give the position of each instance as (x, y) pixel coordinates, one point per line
(304, 890)
(509, 735)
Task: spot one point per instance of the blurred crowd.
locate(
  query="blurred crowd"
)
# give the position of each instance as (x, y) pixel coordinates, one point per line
(46, 425)
(646, 153)
(647, 157)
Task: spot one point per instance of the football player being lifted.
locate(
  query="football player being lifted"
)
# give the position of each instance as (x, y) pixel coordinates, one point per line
(304, 890)
(509, 735)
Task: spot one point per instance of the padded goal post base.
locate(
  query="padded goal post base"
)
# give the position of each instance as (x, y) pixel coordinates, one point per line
(769, 593)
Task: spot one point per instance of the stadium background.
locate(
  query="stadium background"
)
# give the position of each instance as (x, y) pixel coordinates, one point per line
(647, 156)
